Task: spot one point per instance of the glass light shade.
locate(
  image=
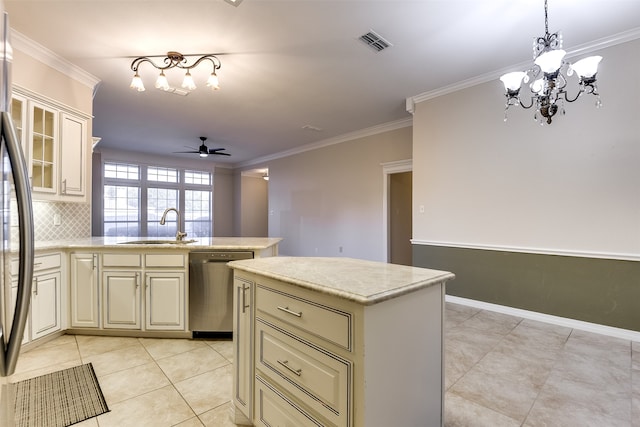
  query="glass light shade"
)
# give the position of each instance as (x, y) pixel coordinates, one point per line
(188, 82)
(537, 86)
(587, 67)
(550, 61)
(136, 83)
(213, 82)
(512, 81)
(203, 154)
(161, 82)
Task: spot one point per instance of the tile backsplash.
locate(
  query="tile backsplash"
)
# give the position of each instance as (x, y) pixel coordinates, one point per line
(74, 220)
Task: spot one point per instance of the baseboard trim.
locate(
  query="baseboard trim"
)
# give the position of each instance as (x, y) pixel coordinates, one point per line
(548, 318)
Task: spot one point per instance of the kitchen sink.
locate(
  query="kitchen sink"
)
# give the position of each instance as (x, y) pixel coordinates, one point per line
(158, 242)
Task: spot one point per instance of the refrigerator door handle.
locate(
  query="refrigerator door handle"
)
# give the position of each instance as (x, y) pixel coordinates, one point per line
(26, 252)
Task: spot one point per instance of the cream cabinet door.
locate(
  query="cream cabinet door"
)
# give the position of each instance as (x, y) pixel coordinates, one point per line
(45, 304)
(164, 300)
(242, 348)
(43, 144)
(84, 291)
(121, 297)
(12, 309)
(73, 151)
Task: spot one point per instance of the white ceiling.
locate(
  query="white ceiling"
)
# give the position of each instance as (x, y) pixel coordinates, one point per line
(291, 64)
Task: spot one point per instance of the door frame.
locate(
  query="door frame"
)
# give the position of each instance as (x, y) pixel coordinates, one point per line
(389, 168)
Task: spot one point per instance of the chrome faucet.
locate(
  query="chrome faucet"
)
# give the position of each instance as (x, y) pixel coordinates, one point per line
(179, 234)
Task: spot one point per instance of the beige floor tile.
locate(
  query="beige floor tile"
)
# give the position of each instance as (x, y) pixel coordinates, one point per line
(20, 376)
(635, 398)
(160, 408)
(491, 321)
(513, 368)
(224, 347)
(90, 345)
(561, 393)
(160, 348)
(612, 375)
(570, 405)
(635, 355)
(91, 422)
(132, 382)
(191, 422)
(507, 396)
(39, 358)
(460, 412)
(195, 362)
(118, 360)
(208, 390)
(217, 417)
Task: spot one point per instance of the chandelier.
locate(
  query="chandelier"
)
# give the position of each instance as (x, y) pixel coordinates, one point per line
(549, 76)
(175, 60)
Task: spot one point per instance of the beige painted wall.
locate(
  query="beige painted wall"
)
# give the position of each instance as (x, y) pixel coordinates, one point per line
(570, 186)
(32, 74)
(331, 198)
(253, 214)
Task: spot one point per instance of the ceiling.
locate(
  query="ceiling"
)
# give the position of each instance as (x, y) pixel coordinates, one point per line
(293, 72)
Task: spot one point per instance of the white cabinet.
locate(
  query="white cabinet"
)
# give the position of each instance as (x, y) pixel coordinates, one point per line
(45, 308)
(56, 147)
(164, 300)
(73, 152)
(45, 304)
(128, 290)
(43, 144)
(121, 296)
(242, 350)
(121, 280)
(84, 290)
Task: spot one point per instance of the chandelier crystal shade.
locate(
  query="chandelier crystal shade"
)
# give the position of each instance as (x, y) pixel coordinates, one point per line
(549, 77)
(175, 60)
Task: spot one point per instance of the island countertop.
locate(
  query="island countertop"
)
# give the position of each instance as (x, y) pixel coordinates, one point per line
(200, 243)
(360, 281)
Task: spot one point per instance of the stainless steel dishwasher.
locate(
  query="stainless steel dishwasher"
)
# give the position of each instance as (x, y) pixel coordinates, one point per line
(211, 292)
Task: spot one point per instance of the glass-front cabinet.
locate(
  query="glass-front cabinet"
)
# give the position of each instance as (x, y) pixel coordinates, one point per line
(43, 144)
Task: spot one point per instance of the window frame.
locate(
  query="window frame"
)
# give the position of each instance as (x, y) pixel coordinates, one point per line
(144, 184)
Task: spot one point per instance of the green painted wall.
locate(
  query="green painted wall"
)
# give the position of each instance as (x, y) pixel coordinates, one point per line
(602, 291)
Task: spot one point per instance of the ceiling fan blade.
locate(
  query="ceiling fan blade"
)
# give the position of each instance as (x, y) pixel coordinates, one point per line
(190, 152)
(219, 154)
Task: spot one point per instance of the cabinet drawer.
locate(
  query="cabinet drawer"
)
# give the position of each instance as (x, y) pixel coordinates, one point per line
(40, 263)
(121, 260)
(273, 409)
(323, 321)
(318, 378)
(164, 260)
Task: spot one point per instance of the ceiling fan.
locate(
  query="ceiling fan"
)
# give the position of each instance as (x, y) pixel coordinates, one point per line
(204, 151)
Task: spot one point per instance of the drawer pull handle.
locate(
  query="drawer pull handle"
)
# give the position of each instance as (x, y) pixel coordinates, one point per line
(285, 363)
(286, 310)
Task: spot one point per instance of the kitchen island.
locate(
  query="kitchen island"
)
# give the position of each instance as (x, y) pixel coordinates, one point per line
(337, 342)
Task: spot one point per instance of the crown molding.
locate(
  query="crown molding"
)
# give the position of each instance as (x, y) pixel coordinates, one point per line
(374, 130)
(52, 59)
(605, 42)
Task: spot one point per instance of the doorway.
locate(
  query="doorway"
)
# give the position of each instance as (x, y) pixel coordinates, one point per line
(397, 212)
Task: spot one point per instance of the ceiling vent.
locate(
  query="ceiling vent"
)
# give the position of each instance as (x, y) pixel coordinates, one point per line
(375, 41)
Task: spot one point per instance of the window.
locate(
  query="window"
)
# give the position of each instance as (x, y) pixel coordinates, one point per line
(136, 196)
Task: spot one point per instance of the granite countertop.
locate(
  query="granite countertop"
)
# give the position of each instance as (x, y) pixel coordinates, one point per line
(364, 282)
(200, 243)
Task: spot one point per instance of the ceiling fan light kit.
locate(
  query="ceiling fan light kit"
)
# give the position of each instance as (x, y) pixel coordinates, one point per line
(175, 60)
(549, 77)
(204, 151)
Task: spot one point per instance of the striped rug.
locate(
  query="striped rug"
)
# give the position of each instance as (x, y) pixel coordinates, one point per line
(59, 399)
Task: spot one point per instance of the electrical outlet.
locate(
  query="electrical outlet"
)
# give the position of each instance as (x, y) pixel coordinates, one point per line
(56, 219)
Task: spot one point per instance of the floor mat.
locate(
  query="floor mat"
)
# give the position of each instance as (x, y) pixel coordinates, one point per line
(59, 399)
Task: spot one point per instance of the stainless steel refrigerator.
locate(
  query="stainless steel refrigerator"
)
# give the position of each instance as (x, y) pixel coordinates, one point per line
(15, 193)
